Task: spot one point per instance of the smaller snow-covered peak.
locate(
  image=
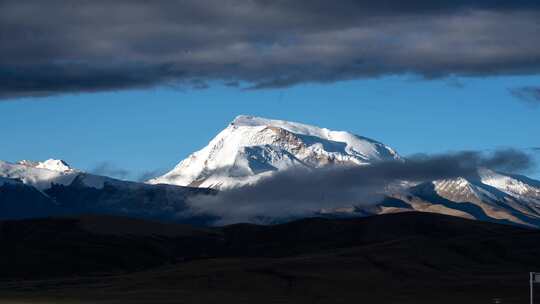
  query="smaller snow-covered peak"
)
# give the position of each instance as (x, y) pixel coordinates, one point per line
(55, 165)
(458, 182)
(40, 175)
(43, 175)
(50, 164)
(511, 184)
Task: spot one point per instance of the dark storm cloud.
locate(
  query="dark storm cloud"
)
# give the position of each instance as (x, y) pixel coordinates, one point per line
(85, 46)
(43, 79)
(530, 95)
(298, 192)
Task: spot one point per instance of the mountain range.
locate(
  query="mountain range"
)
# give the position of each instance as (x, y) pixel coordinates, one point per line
(37, 189)
(247, 151)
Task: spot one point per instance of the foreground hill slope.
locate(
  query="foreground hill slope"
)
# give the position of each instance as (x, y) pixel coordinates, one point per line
(406, 258)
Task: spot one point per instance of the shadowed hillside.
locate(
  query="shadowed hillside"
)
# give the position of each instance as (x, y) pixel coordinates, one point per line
(405, 258)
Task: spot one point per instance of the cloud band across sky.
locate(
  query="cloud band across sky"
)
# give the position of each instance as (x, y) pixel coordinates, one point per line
(59, 47)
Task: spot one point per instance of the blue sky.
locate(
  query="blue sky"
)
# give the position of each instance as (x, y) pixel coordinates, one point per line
(148, 130)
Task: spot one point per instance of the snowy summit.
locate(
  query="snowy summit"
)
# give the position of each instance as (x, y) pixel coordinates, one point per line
(50, 164)
(253, 147)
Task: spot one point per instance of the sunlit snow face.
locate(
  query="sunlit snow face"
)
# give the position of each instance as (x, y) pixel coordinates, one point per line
(252, 147)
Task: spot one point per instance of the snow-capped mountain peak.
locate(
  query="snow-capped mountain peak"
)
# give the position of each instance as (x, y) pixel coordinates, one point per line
(518, 186)
(50, 164)
(40, 175)
(43, 175)
(250, 148)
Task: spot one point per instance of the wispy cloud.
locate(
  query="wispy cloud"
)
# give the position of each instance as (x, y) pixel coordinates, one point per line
(110, 169)
(529, 94)
(146, 175)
